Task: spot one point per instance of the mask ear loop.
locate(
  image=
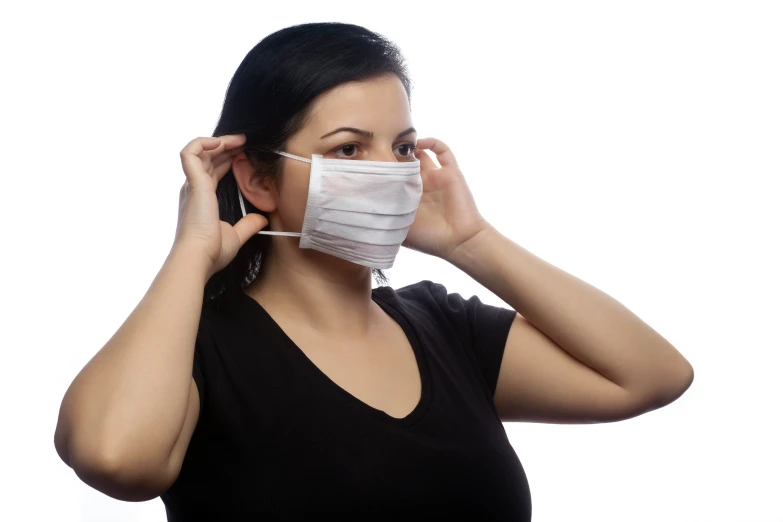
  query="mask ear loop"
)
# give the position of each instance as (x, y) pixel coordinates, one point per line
(292, 156)
(267, 232)
(242, 201)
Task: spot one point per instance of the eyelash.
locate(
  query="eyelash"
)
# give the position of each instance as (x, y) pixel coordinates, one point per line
(411, 145)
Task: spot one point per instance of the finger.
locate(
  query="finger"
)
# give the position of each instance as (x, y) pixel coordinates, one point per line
(232, 141)
(226, 154)
(215, 147)
(190, 155)
(220, 169)
(442, 151)
(248, 226)
(427, 163)
(222, 158)
(203, 144)
(192, 164)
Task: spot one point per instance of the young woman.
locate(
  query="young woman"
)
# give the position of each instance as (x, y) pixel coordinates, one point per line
(263, 377)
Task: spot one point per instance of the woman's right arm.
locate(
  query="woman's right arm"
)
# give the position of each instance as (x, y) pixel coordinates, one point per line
(134, 403)
(128, 416)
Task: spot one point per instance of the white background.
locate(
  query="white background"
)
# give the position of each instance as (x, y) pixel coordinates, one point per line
(636, 145)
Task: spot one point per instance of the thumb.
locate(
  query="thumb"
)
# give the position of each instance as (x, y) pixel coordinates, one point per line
(248, 226)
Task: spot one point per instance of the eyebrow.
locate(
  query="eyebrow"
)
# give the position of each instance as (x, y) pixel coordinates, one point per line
(365, 133)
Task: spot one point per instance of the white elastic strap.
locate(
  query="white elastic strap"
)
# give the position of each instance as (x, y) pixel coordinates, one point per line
(273, 233)
(267, 232)
(287, 155)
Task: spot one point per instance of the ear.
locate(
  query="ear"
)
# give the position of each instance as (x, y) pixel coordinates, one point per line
(258, 190)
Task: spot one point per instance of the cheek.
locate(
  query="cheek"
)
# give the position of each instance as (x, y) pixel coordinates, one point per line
(293, 197)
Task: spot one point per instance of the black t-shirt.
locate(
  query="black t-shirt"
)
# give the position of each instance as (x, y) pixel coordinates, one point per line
(277, 439)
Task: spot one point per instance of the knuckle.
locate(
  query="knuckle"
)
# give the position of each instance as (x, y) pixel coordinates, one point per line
(191, 145)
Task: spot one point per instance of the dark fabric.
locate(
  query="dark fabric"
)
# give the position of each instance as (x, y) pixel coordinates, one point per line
(278, 440)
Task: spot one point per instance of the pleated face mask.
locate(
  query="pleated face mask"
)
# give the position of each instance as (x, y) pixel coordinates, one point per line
(357, 210)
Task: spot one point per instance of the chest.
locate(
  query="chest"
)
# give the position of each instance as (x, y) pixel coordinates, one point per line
(382, 373)
(297, 423)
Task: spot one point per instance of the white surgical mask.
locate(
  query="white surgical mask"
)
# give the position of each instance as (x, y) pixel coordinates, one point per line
(357, 210)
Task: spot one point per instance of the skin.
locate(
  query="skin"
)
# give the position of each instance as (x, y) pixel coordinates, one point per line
(573, 354)
(304, 286)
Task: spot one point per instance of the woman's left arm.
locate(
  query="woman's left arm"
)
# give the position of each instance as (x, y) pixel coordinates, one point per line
(574, 354)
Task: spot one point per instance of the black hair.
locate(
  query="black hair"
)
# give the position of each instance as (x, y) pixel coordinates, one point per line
(269, 99)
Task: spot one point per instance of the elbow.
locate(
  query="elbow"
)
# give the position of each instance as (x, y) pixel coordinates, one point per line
(122, 480)
(61, 444)
(665, 389)
(121, 477)
(111, 468)
(689, 376)
(674, 385)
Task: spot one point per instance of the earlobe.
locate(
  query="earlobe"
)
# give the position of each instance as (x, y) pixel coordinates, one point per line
(258, 190)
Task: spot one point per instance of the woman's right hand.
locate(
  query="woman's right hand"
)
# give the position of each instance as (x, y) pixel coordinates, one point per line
(205, 161)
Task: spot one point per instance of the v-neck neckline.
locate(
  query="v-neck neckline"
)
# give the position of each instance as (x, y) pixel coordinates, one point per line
(348, 398)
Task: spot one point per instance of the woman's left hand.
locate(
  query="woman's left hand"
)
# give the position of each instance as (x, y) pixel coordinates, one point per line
(447, 216)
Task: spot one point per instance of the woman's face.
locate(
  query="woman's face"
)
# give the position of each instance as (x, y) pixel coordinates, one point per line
(378, 112)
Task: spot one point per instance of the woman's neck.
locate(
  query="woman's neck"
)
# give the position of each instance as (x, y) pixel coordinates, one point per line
(329, 294)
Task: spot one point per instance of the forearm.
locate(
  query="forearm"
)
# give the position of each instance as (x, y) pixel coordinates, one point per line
(589, 324)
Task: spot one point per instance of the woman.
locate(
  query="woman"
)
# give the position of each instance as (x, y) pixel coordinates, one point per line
(262, 374)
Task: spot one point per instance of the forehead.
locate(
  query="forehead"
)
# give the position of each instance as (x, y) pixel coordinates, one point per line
(375, 103)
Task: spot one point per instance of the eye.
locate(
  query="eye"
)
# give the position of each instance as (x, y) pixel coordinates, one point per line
(346, 150)
(408, 149)
(351, 150)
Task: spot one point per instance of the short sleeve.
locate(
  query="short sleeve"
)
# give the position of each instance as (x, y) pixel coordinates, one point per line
(482, 328)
